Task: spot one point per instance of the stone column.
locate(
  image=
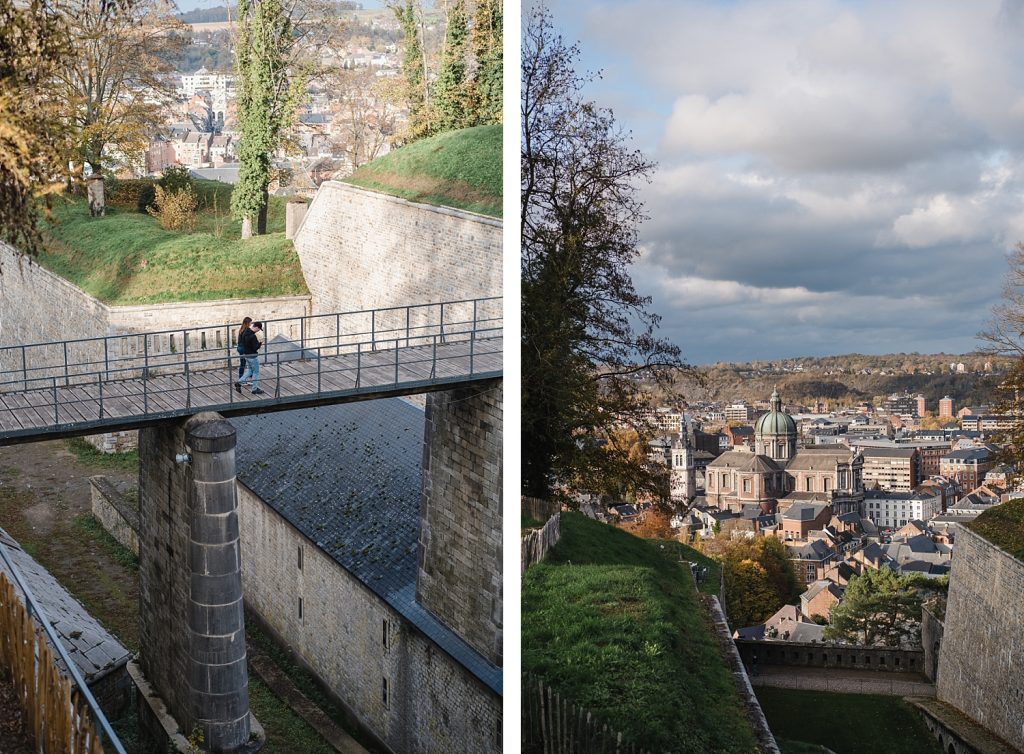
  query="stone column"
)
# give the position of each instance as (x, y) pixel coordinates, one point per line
(295, 212)
(218, 677)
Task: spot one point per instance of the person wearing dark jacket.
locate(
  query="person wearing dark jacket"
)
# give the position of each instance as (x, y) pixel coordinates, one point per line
(250, 344)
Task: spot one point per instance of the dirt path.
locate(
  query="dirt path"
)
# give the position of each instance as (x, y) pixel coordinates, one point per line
(44, 502)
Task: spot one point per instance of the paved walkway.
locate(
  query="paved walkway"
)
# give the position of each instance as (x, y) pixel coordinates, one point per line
(844, 681)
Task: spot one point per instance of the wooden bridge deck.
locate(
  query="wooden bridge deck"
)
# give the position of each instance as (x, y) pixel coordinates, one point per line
(84, 406)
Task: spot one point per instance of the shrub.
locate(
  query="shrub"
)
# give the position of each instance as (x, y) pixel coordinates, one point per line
(176, 210)
(176, 178)
(146, 198)
(125, 192)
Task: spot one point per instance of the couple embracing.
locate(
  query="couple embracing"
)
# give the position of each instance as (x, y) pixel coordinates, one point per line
(250, 339)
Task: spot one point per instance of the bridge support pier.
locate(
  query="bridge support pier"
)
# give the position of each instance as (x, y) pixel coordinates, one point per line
(191, 612)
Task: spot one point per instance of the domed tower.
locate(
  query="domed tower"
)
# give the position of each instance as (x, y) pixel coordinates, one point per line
(775, 432)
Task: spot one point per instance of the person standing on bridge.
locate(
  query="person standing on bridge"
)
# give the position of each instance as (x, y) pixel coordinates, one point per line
(250, 342)
(241, 362)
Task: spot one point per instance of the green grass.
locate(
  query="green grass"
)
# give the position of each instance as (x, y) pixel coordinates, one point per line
(847, 723)
(1003, 526)
(90, 525)
(526, 522)
(678, 551)
(286, 731)
(303, 680)
(798, 747)
(97, 459)
(616, 626)
(127, 258)
(456, 169)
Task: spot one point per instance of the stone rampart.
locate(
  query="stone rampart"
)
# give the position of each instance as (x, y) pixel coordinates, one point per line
(459, 578)
(816, 655)
(118, 517)
(980, 657)
(38, 306)
(362, 249)
(395, 681)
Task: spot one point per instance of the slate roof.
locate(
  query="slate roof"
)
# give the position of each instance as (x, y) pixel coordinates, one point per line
(816, 549)
(348, 478)
(807, 633)
(967, 454)
(91, 647)
(823, 458)
(885, 452)
(818, 586)
(803, 511)
(744, 461)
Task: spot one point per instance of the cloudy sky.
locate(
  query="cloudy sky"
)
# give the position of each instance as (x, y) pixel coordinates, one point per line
(832, 176)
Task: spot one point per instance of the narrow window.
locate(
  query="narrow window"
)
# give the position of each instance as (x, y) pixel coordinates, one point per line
(385, 696)
(300, 557)
(385, 635)
(202, 340)
(300, 608)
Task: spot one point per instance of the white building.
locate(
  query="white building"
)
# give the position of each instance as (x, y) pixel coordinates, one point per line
(892, 510)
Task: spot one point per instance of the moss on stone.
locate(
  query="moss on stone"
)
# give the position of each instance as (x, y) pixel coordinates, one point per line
(1003, 526)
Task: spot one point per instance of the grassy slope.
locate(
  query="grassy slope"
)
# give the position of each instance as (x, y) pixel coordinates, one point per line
(847, 723)
(612, 622)
(1003, 526)
(127, 258)
(455, 169)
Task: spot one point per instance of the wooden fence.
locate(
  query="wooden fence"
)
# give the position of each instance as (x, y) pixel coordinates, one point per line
(537, 543)
(58, 720)
(537, 509)
(552, 724)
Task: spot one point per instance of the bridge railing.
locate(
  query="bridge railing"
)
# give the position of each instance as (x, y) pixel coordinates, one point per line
(102, 359)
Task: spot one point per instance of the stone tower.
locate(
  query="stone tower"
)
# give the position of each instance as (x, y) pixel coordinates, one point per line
(683, 480)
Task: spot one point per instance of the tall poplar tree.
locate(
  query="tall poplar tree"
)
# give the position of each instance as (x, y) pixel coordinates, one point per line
(486, 45)
(449, 100)
(414, 69)
(268, 94)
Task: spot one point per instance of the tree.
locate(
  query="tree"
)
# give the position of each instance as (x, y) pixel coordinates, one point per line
(33, 41)
(414, 69)
(485, 91)
(878, 607)
(113, 83)
(449, 90)
(749, 596)
(587, 335)
(268, 95)
(366, 119)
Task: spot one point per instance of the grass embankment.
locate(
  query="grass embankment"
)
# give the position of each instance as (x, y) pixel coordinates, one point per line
(456, 169)
(610, 621)
(845, 723)
(127, 258)
(1003, 526)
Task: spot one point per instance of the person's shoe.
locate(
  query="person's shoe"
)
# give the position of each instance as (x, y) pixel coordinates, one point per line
(238, 387)
(257, 391)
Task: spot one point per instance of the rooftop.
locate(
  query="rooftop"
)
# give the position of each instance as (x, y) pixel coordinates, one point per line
(360, 504)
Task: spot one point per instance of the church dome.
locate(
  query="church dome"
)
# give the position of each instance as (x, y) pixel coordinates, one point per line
(776, 421)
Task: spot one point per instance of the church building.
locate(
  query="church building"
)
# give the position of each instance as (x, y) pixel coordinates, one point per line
(777, 472)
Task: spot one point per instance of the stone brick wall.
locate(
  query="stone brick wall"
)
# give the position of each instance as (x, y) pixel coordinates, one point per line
(433, 705)
(164, 567)
(983, 638)
(361, 249)
(37, 306)
(460, 567)
(815, 655)
(115, 513)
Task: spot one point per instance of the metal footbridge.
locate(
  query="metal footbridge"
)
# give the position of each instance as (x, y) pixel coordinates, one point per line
(117, 382)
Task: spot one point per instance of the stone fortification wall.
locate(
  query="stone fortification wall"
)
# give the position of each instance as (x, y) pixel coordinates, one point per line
(459, 578)
(115, 513)
(983, 637)
(38, 306)
(361, 249)
(355, 643)
(817, 655)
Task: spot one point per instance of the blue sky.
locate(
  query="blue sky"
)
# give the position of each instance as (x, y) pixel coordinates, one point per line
(832, 176)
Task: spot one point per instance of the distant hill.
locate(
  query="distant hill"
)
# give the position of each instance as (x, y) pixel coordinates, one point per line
(455, 169)
(852, 378)
(229, 13)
